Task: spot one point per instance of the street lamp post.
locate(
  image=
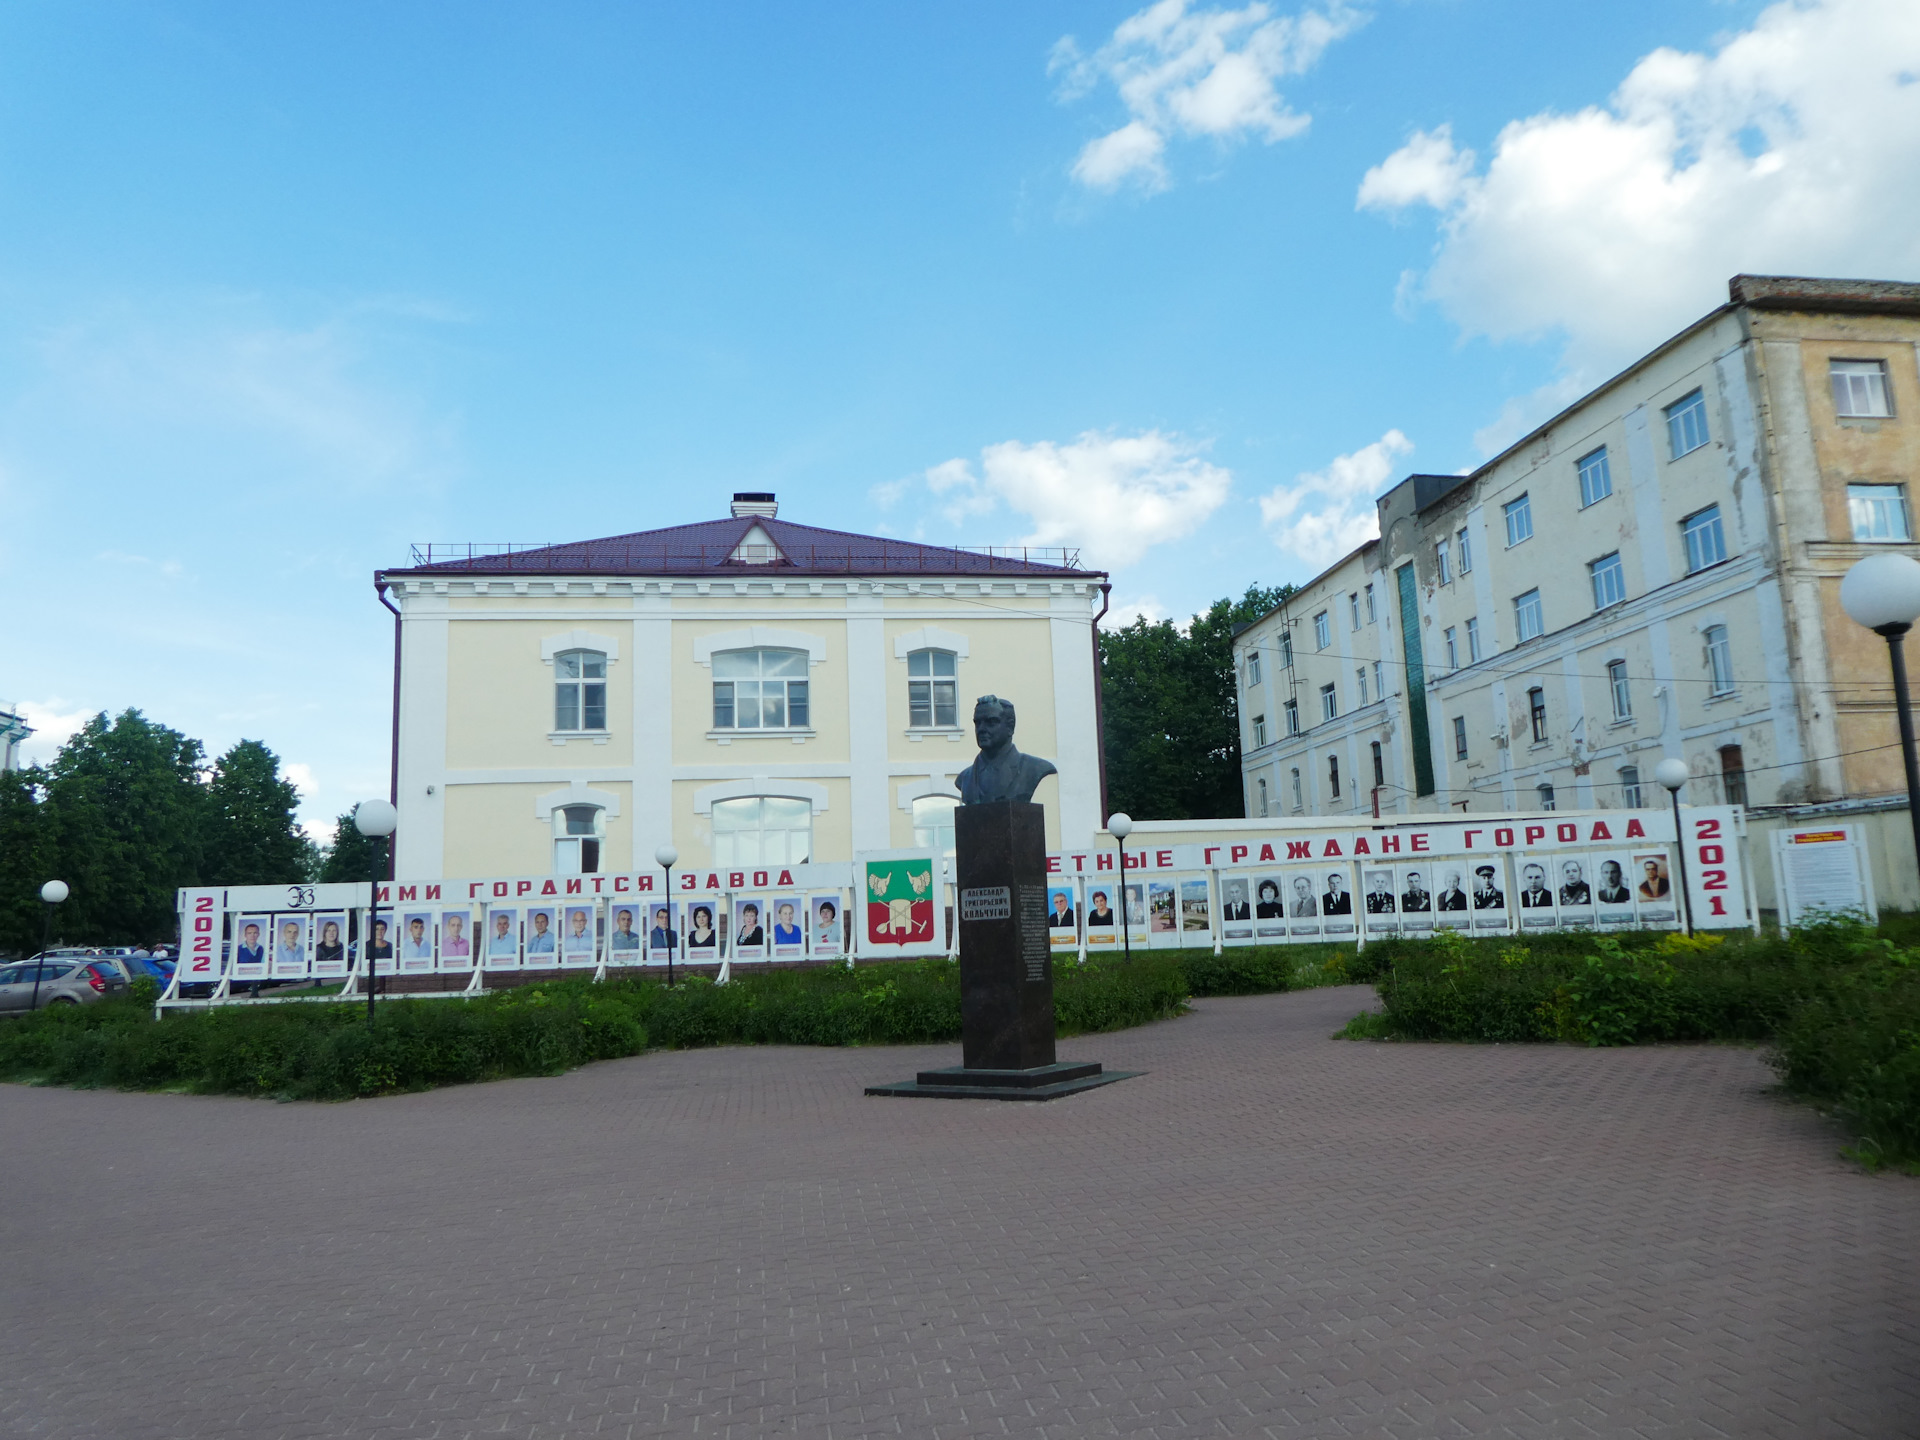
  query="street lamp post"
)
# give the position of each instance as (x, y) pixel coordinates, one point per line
(54, 892)
(1673, 773)
(665, 856)
(1120, 825)
(375, 819)
(1882, 592)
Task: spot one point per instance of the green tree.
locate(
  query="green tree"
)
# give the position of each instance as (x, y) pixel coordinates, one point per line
(126, 813)
(351, 855)
(1168, 699)
(26, 861)
(252, 836)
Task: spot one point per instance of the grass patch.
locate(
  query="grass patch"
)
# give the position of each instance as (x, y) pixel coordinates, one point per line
(319, 1051)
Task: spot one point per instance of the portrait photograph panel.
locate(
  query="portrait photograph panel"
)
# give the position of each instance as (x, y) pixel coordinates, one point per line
(1489, 895)
(456, 939)
(291, 937)
(1269, 909)
(330, 943)
(1102, 919)
(788, 930)
(1302, 898)
(1413, 892)
(1380, 901)
(1236, 909)
(252, 936)
(579, 945)
(540, 939)
(749, 928)
(1572, 880)
(702, 945)
(627, 925)
(381, 946)
(1653, 893)
(1613, 890)
(1196, 912)
(1063, 917)
(1452, 894)
(826, 927)
(1137, 918)
(1533, 892)
(416, 940)
(503, 938)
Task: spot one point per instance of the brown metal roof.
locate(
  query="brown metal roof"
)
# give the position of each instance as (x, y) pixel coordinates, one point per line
(708, 548)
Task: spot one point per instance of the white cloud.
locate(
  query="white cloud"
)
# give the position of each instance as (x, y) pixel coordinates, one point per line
(1791, 149)
(1141, 607)
(300, 777)
(1194, 73)
(1115, 496)
(54, 723)
(1324, 514)
(887, 493)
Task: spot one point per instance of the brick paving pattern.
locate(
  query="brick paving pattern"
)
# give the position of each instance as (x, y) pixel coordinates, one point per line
(1270, 1233)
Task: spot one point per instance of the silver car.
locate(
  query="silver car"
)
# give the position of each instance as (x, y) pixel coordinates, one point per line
(62, 982)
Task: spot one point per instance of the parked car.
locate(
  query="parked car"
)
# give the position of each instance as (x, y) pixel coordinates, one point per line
(62, 982)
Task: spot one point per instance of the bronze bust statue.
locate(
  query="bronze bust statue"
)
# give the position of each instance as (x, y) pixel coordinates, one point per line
(999, 772)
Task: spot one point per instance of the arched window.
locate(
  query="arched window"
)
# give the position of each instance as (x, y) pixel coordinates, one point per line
(760, 690)
(577, 831)
(1545, 792)
(933, 822)
(580, 690)
(931, 689)
(762, 829)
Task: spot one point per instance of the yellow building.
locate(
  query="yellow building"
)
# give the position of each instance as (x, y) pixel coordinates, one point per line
(1654, 571)
(749, 689)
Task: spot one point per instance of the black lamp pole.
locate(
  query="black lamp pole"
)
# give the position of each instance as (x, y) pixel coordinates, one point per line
(1680, 848)
(1126, 936)
(373, 915)
(40, 965)
(671, 936)
(1897, 653)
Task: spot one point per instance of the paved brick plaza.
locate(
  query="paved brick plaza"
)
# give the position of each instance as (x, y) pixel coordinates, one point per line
(1271, 1233)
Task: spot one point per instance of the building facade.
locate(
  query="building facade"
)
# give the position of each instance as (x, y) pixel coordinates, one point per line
(750, 690)
(1655, 571)
(13, 733)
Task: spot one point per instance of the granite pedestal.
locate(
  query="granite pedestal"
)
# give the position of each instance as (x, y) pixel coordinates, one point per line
(1006, 967)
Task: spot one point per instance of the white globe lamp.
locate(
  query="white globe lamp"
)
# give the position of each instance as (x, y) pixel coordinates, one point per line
(1120, 825)
(1882, 592)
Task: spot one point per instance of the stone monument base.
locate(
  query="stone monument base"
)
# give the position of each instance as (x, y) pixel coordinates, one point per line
(1042, 1082)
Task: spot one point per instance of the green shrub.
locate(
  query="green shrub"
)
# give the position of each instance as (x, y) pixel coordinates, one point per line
(317, 1050)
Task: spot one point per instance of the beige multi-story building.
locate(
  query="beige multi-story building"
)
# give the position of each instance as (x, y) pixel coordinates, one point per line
(751, 690)
(1655, 571)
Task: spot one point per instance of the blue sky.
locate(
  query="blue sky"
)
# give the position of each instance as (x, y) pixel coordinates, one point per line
(285, 289)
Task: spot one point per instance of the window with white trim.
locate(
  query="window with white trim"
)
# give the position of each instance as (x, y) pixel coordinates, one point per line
(933, 823)
(1373, 612)
(1537, 713)
(1609, 580)
(1442, 571)
(1292, 711)
(1329, 703)
(1519, 514)
(1322, 631)
(1686, 424)
(1719, 660)
(931, 687)
(1360, 680)
(1527, 624)
(762, 830)
(1453, 649)
(1263, 799)
(1459, 737)
(760, 690)
(577, 832)
(1379, 681)
(1473, 638)
(1860, 388)
(1253, 667)
(1879, 513)
(1353, 609)
(1545, 792)
(580, 690)
(1630, 786)
(1618, 689)
(1259, 731)
(1286, 649)
(1298, 804)
(1596, 477)
(1466, 553)
(1706, 542)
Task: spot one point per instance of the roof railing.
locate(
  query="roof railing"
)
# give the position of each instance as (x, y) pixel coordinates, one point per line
(889, 556)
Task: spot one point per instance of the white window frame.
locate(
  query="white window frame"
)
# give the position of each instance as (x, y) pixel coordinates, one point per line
(578, 851)
(1518, 514)
(788, 725)
(1620, 689)
(1537, 713)
(1608, 577)
(1442, 569)
(1459, 737)
(1292, 712)
(1630, 786)
(1299, 803)
(1373, 613)
(1259, 731)
(1544, 792)
(1687, 424)
(1596, 477)
(1466, 553)
(1360, 679)
(1353, 608)
(1453, 649)
(1379, 681)
(1322, 631)
(577, 673)
(1879, 514)
(931, 682)
(728, 851)
(1529, 622)
(1694, 532)
(1253, 667)
(1860, 389)
(1329, 702)
(1473, 639)
(1286, 648)
(1719, 661)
